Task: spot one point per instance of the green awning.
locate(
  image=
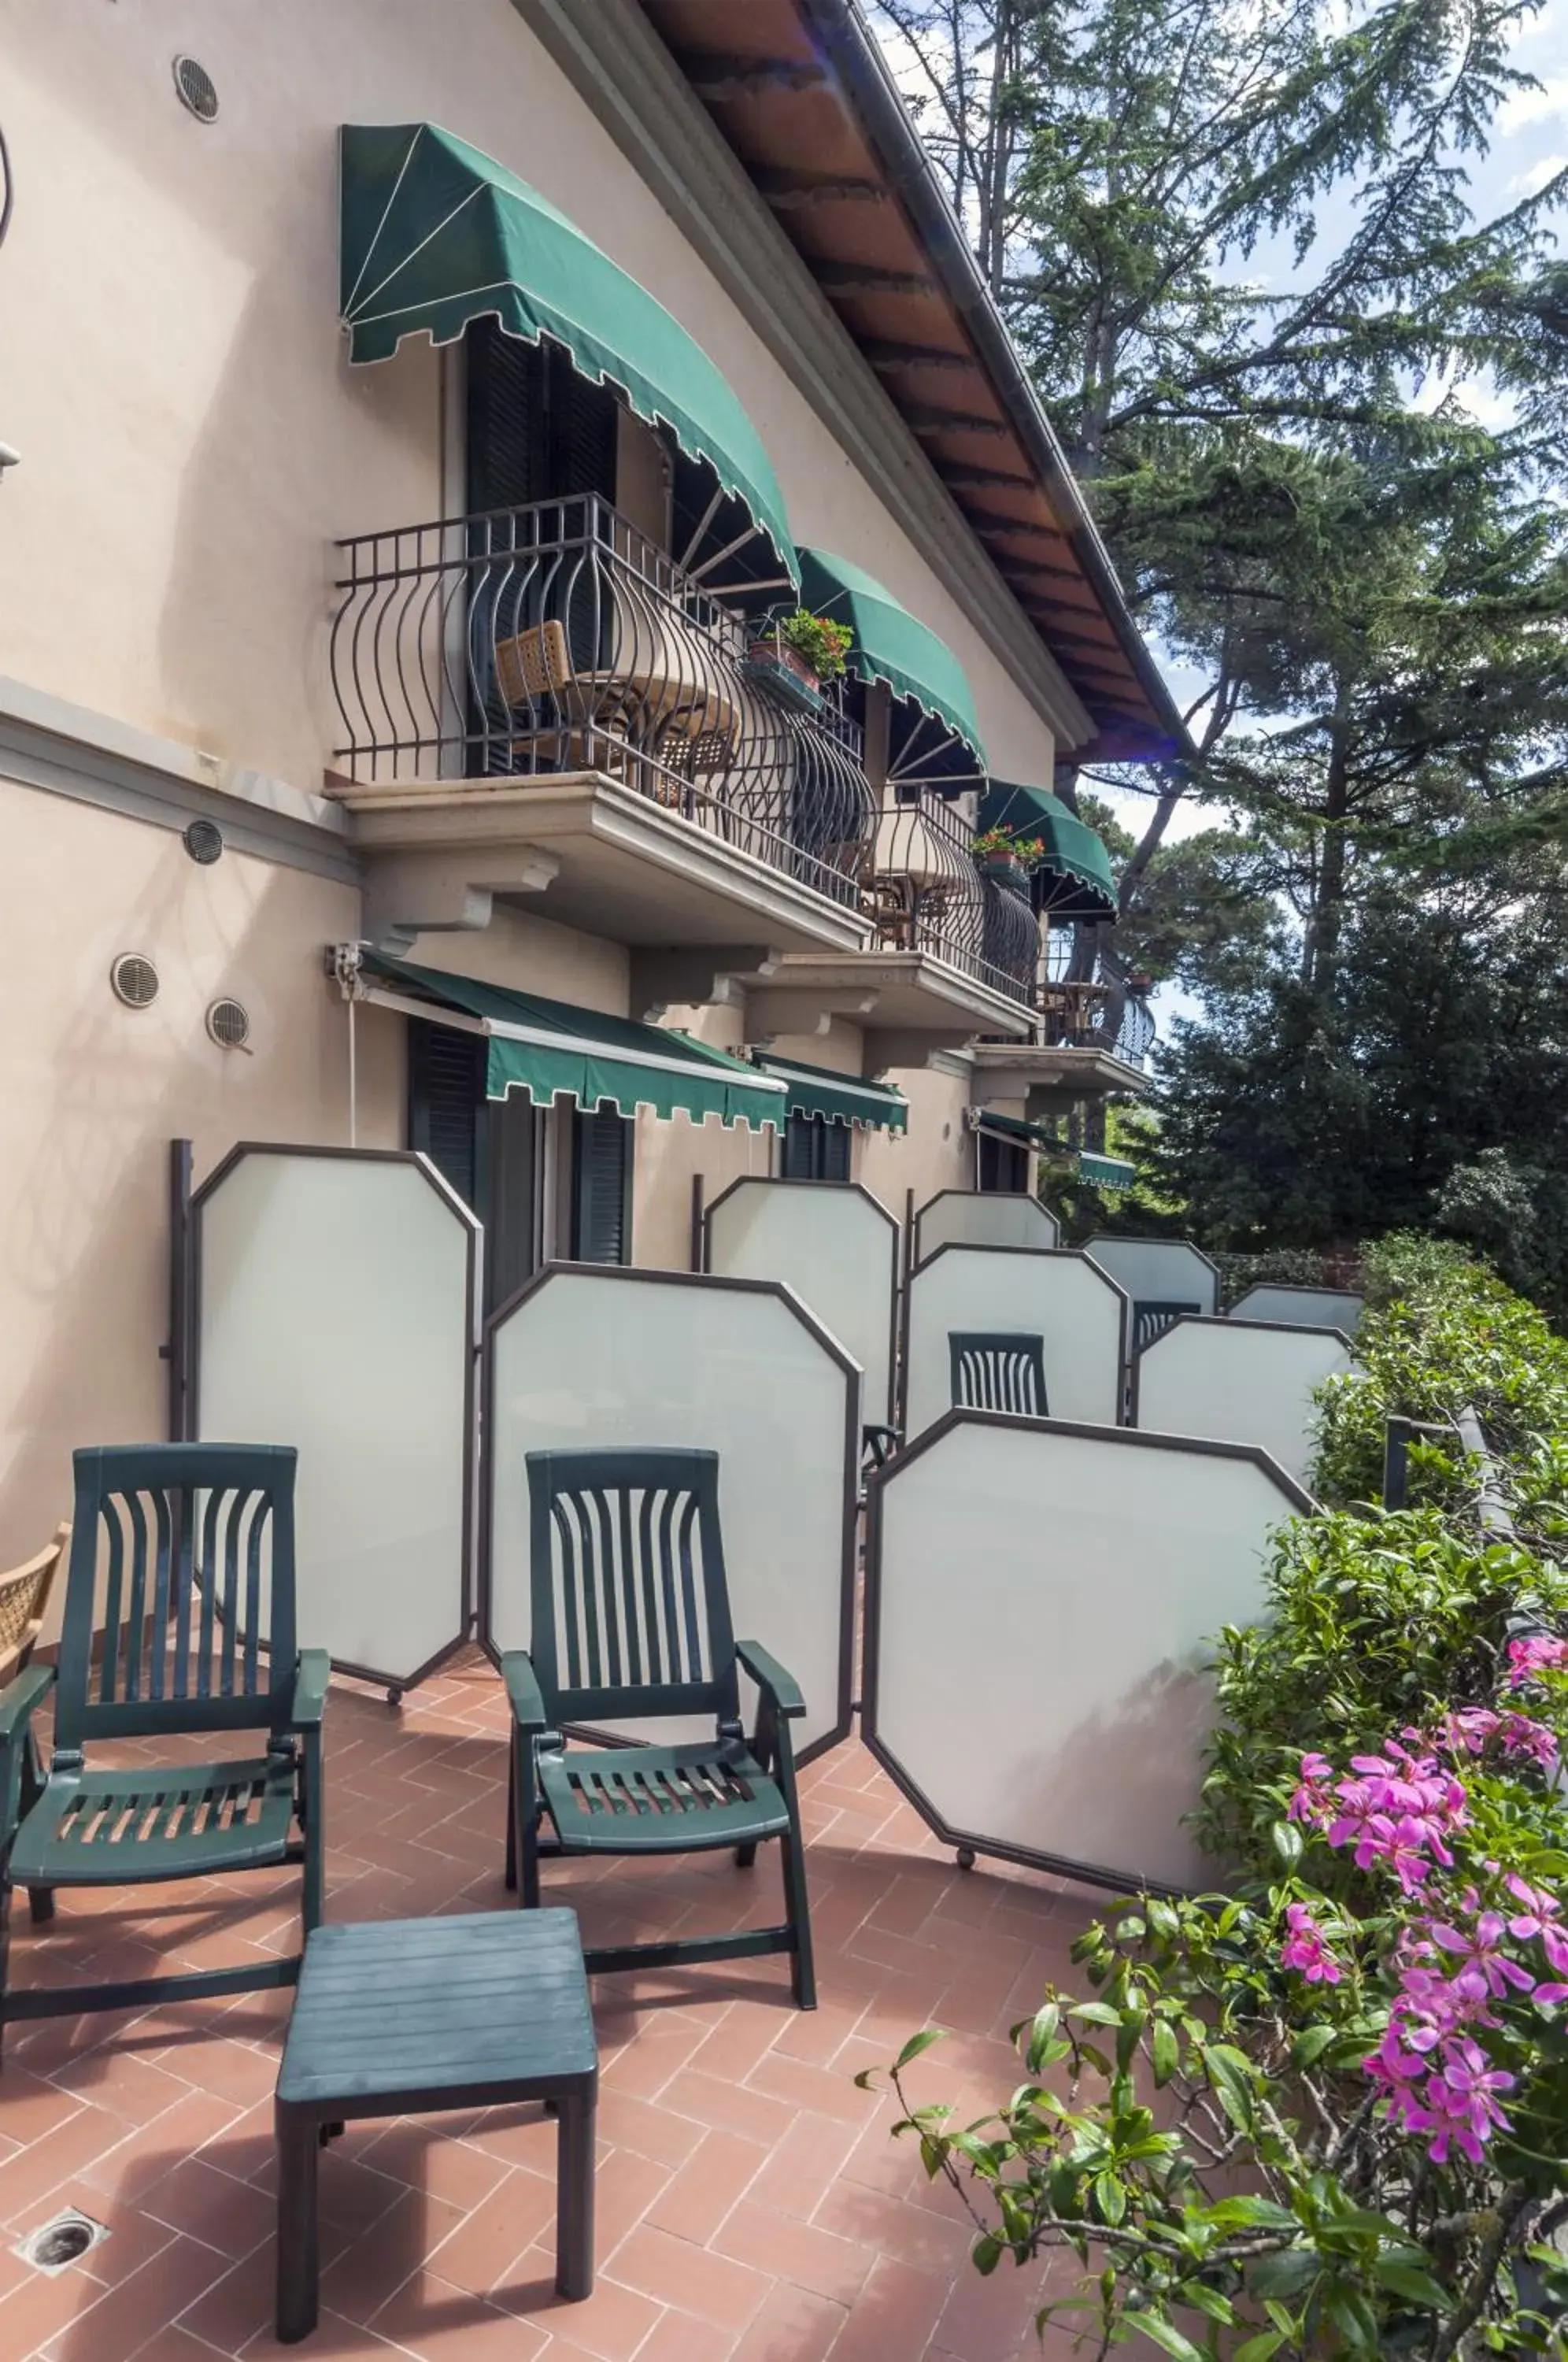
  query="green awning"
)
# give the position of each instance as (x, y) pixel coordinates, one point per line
(838, 1098)
(1027, 1135)
(1074, 880)
(1099, 1172)
(551, 1050)
(1106, 1172)
(893, 645)
(435, 234)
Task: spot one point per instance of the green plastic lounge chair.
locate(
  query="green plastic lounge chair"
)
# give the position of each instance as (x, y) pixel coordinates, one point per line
(1004, 1371)
(195, 1544)
(631, 1618)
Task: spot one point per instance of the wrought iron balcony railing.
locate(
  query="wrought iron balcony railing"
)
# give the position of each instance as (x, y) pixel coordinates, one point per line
(558, 638)
(925, 894)
(1098, 1015)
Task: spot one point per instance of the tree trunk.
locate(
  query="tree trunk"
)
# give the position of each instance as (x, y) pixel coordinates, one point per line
(1326, 921)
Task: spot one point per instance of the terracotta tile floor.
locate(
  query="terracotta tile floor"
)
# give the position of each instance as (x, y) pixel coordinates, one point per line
(751, 2205)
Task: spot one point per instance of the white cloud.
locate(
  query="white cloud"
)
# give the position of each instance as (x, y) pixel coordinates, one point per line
(1536, 176)
(1548, 103)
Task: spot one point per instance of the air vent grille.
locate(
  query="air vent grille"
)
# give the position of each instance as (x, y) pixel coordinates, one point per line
(228, 1022)
(196, 88)
(203, 840)
(134, 980)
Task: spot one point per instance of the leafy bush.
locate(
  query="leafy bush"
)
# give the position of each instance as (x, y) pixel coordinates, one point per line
(1325, 2113)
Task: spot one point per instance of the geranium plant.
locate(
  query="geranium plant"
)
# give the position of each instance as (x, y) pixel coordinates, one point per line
(1004, 845)
(1326, 2112)
(820, 643)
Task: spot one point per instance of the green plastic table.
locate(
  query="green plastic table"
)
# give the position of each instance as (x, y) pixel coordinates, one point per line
(398, 2017)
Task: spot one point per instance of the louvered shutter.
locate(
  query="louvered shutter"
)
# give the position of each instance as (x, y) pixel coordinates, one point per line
(446, 1103)
(795, 1149)
(506, 418)
(815, 1150)
(601, 1224)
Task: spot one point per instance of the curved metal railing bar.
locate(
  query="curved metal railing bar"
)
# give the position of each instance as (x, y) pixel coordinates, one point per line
(527, 642)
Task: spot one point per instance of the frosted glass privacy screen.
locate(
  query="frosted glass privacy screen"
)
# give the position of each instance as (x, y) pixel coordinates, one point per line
(1159, 1270)
(983, 1219)
(612, 1357)
(1058, 1296)
(1240, 1382)
(837, 1247)
(335, 1313)
(1308, 1307)
(1041, 1608)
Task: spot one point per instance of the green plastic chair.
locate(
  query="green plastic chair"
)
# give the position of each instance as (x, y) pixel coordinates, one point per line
(631, 1618)
(197, 1543)
(998, 1371)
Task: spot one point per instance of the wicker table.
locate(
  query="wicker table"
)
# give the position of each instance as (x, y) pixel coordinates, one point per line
(402, 2017)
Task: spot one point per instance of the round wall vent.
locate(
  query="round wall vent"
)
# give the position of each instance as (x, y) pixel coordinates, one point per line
(134, 980)
(203, 840)
(196, 88)
(228, 1022)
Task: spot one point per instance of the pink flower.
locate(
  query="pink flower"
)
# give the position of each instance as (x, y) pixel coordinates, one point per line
(1484, 1973)
(1310, 1804)
(1305, 1949)
(1467, 1731)
(1536, 1655)
(1459, 2101)
(1521, 1736)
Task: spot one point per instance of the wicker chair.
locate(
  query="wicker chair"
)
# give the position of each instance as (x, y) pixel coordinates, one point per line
(688, 757)
(582, 721)
(23, 1603)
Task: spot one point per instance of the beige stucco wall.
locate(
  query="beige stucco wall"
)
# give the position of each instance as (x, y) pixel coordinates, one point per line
(92, 1093)
(192, 435)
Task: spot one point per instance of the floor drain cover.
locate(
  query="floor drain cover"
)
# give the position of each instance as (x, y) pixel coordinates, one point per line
(56, 2245)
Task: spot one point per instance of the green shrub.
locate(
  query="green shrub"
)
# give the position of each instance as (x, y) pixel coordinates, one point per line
(1326, 2112)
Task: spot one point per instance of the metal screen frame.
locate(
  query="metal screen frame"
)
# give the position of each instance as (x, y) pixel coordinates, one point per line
(1220, 1321)
(1168, 1293)
(626, 1274)
(1345, 1295)
(395, 1684)
(917, 1254)
(972, 1843)
(953, 1246)
(841, 1188)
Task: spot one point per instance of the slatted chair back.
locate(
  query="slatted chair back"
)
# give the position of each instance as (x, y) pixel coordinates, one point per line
(997, 1373)
(1151, 1318)
(631, 1608)
(195, 1546)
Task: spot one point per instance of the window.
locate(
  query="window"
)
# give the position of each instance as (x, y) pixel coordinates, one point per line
(537, 431)
(601, 1196)
(487, 1149)
(814, 1149)
(1003, 1163)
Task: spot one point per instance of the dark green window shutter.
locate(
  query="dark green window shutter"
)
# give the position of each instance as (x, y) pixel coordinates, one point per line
(1003, 1163)
(815, 1150)
(602, 1222)
(537, 431)
(446, 1103)
(506, 417)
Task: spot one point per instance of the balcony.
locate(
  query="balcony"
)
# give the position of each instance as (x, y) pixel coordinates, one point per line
(956, 955)
(1093, 1043)
(1087, 1017)
(925, 894)
(542, 696)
